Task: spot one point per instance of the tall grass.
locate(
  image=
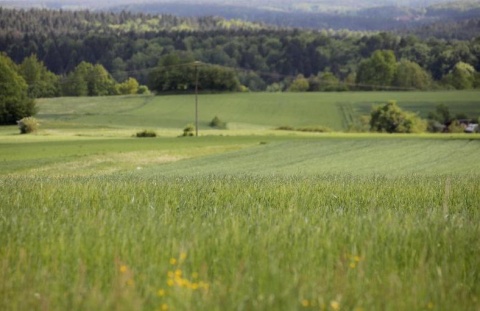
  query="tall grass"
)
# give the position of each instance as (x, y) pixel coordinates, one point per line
(334, 242)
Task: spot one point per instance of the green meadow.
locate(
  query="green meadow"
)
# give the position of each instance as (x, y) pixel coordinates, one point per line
(243, 218)
(243, 110)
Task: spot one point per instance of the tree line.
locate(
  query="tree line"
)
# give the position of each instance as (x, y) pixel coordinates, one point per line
(21, 84)
(265, 58)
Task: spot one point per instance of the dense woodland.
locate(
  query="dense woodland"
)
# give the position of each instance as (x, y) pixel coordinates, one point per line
(262, 58)
(359, 15)
(365, 15)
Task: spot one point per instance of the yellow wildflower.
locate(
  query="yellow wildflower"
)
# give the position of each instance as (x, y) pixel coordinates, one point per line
(335, 305)
(161, 292)
(170, 282)
(179, 282)
(164, 307)
(352, 265)
(305, 303)
(123, 268)
(183, 256)
(173, 261)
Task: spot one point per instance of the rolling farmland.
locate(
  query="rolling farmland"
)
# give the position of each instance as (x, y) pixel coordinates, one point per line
(246, 218)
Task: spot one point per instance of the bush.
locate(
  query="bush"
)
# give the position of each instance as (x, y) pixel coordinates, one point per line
(286, 128)
(217, 123)
(146, 133)
(28, 125)
(300, 84)
(315, 129)
(143, 89)
(189, 130)
(275, 87)
(390, 118)
(456, 127)
(129, 86)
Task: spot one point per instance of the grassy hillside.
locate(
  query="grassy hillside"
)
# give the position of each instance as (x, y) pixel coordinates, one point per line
(241, 111)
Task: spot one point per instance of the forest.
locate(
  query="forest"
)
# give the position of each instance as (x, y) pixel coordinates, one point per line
(364, 15)
(133, 45)
(358, 16)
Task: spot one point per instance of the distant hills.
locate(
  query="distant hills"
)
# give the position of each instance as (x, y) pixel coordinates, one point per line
(366, 15)
(276, 5)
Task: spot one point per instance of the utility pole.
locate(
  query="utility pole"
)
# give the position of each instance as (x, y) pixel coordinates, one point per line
(196, 63)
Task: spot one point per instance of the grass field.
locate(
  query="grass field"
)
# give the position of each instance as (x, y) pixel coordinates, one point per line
(243, 111)
(249, 218)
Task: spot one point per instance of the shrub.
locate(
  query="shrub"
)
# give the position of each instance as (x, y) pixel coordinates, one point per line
(300, 84)
(129, 86)
(243, 89)
(143, 89)
(316, 129)
(28, 125)
(275, 87)
(391, 119)
(286, 128)
(189, 130)
(217, 123)
(456, 127)
(147, 133)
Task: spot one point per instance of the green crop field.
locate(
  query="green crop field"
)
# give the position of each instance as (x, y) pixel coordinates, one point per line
(243, 111)
(246, 218)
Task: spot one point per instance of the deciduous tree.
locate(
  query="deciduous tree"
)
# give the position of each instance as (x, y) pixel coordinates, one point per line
(177, 73)
(15, 103)
(41, 82)
(410, 75)
(461, 77)
(378, 70)
(89, 80)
